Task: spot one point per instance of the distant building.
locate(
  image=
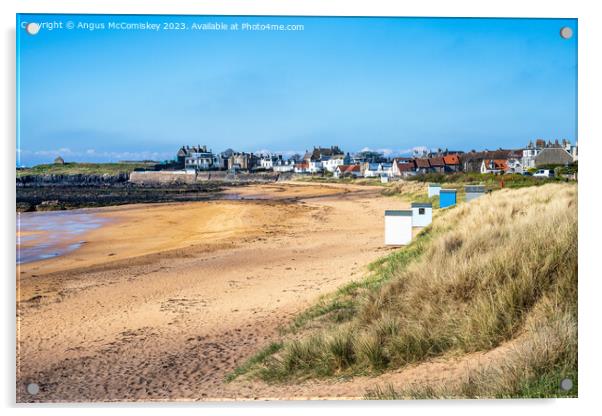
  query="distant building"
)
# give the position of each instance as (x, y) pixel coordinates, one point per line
(404, 169)
(570, 148)
(445, 152)
(529, 154)
(423, 165)
(452, 162)
(59, 161)
(197, 158)
(325, 158)
(267, 161)
(532, 151)
(375, 170)
(315, 166)
(330, 163)
(242, 161)
(553, 156)
(437, 164)
(301, 167)
(473, 161)
(346, 171)
(496, 166)
(515, 165)
(318, 153)
(284, 165)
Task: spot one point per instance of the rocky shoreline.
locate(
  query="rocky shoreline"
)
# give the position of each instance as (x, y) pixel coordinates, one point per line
(47, 198)
(60, 192)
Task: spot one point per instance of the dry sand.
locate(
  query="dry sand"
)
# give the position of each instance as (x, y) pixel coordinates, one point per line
(165, 300)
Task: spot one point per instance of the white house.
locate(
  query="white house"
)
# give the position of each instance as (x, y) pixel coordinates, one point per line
(200, 159)
(284, 166)
(494, 166)
(330, 163)
(528, 160)
(386, 169)
(515, 165)
(398, 227)
(267, 161)
(315, 166)
(347, 171)
(376, 170)
(572, 149)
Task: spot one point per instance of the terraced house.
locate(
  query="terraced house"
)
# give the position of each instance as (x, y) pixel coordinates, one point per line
(243, 161)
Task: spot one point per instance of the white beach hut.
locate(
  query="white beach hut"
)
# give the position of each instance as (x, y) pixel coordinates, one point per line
(434, 189)
(398, 227)
(422, 214)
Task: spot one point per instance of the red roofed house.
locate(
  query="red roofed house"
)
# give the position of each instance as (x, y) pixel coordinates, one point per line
(344, 171)
(404, 168)
(494, 166)
(437, 164)
(452, 163)
(422, 165)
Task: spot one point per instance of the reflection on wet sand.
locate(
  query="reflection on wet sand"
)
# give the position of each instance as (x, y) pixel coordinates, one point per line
(43, 235)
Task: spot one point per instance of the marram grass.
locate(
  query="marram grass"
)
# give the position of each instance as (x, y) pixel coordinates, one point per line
(500, 268)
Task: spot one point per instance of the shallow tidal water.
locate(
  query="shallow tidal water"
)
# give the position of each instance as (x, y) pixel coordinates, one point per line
(44, 235)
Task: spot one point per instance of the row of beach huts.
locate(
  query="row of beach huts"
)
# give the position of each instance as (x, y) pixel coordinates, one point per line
(399, 224)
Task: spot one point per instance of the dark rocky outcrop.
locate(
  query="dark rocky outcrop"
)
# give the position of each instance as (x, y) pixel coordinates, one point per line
(72, 180)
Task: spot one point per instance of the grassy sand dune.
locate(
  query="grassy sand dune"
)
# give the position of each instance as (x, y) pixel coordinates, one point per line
(500, 269)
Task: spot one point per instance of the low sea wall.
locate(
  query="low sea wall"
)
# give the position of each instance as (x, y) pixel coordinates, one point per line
(162, 178)
(182, 177)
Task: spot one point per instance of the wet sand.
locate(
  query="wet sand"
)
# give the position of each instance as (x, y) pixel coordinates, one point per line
(164, 300)
(44, 235)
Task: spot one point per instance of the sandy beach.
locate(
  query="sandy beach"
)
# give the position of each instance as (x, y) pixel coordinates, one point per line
(164, 300)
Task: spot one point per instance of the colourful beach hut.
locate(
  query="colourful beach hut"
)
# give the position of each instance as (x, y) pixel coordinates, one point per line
(398, 227)
(447, 198)
(434, 189)
(474, 191)
(422, 214)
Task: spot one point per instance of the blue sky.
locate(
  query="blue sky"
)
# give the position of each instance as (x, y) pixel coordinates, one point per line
(380, 83)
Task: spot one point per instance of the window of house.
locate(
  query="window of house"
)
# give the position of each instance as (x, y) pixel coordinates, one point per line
(421, 211)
